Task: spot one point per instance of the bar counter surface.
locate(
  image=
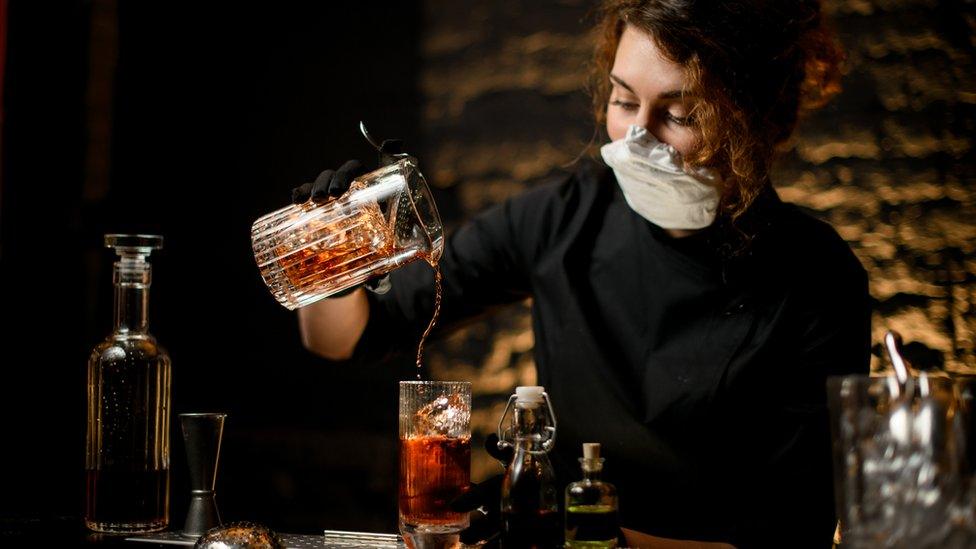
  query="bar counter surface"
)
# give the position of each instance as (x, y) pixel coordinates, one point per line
(65, 532)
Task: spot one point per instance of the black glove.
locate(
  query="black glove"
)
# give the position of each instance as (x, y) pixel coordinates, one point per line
(335, 183)
(329, 184)
(486, 499)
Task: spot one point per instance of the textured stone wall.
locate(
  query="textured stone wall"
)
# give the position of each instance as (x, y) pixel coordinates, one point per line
(890, 163)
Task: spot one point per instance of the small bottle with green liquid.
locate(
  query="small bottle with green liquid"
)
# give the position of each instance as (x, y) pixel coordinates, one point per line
(591, 505)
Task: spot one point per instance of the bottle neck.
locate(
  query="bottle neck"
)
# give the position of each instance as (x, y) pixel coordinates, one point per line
(132, 280)
(530, 422)
(592, 468)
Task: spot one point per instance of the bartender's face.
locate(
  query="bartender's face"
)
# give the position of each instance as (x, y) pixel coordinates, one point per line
(647, 92)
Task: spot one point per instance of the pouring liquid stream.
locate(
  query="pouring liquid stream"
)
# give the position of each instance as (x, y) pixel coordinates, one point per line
(433, 318)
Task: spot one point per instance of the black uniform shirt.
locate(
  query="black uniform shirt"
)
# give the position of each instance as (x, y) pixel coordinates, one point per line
(703, 378)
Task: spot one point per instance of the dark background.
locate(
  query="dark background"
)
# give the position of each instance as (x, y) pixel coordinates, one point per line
(191, 120)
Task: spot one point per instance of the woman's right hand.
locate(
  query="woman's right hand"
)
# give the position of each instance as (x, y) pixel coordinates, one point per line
(329, 184)
(334, 183)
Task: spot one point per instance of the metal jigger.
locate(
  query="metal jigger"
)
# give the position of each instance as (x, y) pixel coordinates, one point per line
(202, 434)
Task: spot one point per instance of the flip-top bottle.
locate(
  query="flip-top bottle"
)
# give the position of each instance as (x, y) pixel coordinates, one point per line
(530, 499)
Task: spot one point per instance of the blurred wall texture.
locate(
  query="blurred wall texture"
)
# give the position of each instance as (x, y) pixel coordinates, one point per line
(193, 121)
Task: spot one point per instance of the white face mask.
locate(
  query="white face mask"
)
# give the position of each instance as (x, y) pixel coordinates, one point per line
(656, 185)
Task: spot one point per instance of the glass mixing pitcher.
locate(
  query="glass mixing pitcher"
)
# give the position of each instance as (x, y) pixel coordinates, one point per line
(309, 251)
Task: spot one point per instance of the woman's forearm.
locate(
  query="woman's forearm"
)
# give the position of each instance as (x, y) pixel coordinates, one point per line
(647, 541)
(331, 327)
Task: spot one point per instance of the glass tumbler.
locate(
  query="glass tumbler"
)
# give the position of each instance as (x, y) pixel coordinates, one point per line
(306, 252)
(899, 455)
(435, 459)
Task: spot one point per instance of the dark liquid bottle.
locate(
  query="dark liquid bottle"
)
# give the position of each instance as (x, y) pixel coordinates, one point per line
(530, 500)
(127, 440)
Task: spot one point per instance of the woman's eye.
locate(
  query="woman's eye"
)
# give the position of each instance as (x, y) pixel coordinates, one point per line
(679, 120)
(627, 106)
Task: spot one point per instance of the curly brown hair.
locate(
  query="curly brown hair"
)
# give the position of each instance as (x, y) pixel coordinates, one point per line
(755, 65)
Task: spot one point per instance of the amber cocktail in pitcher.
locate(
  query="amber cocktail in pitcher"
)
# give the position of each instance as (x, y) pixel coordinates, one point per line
(309, 251)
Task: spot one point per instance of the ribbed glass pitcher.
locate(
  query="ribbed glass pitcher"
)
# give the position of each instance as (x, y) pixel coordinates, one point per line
(309, 251)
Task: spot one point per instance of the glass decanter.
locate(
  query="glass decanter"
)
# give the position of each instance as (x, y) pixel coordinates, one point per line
(127, 439)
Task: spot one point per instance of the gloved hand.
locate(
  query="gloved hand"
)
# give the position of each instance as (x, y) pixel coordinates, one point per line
(484, 497)
(335, 183)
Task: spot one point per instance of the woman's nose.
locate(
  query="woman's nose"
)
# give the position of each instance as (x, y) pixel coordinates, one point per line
(645, 119)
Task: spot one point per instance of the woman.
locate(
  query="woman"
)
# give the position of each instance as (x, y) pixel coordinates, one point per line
(683, 315)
